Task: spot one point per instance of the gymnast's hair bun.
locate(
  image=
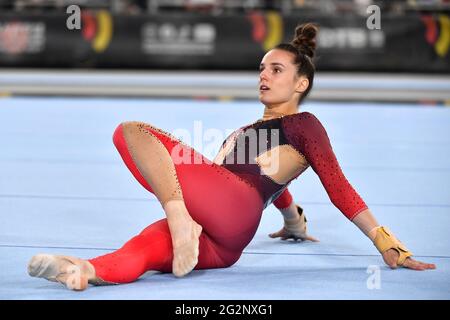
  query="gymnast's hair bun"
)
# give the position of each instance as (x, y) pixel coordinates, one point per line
(305, 38)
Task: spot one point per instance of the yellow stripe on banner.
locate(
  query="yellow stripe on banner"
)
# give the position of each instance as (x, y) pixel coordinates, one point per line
(5, 94)
(275, 30)
(104, 33)
(447, 103)
(443, 42)
(226, 98)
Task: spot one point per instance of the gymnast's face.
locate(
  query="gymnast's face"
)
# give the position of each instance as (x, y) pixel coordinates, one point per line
(278, 79)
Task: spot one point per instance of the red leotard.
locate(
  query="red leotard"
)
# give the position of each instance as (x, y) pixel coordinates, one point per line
(227, 200)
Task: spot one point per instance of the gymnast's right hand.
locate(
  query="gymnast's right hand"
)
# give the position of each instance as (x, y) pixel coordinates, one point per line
(294, 229)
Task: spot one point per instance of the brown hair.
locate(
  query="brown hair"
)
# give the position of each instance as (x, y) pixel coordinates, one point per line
(303, 47)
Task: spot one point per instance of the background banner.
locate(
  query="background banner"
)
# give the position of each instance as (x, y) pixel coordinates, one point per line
(410, 43)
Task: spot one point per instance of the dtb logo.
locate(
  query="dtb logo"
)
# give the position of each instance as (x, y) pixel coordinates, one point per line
(437, 32)
(266, 29)
(96, 28)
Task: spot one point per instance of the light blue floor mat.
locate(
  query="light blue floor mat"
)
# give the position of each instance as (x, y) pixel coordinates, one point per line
(65, 190)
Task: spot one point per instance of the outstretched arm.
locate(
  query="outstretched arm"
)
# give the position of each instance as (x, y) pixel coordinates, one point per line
(393, 251)
(308, 136)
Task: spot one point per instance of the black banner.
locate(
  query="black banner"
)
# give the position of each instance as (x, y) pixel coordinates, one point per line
(411, 43)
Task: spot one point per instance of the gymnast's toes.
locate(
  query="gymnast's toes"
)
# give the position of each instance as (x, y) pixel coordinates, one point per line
(58, 269)
(186, 256)
(183, 266)
(42, 266)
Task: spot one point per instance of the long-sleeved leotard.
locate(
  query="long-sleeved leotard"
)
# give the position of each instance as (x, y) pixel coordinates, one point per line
(284, 200)
(226, 197)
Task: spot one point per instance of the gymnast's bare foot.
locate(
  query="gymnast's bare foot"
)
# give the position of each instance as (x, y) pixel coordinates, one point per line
(74, 273)
(185, 233)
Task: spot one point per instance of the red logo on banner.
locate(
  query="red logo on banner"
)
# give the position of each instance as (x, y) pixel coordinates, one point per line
(14, 37)
(97, 29)
(437, 32)
(259, 26)
(267, 29)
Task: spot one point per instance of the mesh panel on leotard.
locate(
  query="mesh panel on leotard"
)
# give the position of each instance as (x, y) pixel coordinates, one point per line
(152, 160)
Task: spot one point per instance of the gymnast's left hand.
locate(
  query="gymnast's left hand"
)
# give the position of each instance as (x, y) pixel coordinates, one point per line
(390, 257)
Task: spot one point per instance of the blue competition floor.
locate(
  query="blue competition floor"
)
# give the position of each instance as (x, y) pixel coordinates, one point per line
(65, 190)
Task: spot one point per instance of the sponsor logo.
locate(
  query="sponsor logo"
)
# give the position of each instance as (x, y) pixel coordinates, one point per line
(267, 29)
(17, 37)
(97, 29)
(437, 33)
(184, 39)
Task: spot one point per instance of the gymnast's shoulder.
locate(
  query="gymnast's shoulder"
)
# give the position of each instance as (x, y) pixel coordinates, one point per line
(302, 119)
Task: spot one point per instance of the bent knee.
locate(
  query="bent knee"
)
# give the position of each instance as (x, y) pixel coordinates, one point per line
(126, 130)
(131, 126)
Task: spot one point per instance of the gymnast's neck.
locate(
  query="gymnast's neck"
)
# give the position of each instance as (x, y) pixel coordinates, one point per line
(279, 110)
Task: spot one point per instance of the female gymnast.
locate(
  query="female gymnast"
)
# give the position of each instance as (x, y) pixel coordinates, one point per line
(204, 232)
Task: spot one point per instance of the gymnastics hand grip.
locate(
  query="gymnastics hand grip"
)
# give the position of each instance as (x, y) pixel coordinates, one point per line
(385, 240)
